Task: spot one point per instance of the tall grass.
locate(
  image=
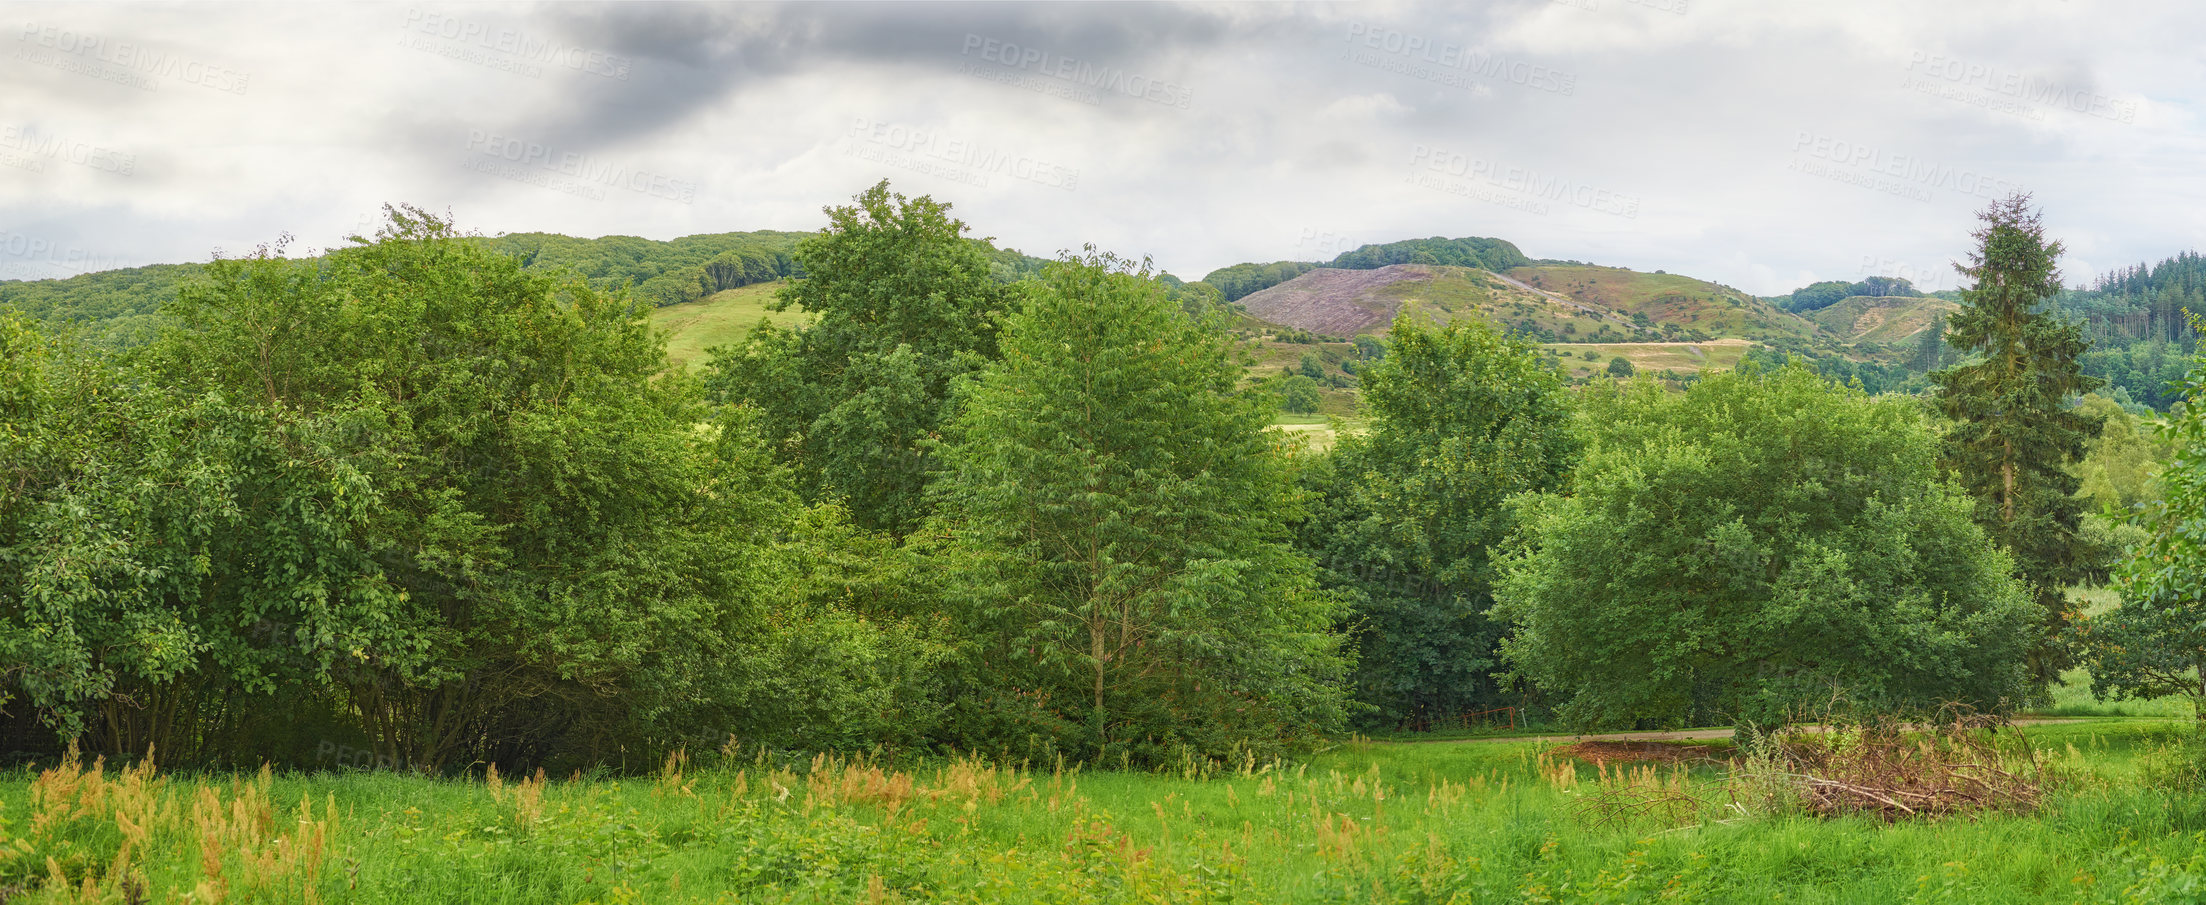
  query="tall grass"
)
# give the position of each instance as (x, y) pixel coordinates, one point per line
(1368, 822)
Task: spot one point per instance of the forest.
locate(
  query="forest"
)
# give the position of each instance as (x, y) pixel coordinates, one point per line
(436, 504)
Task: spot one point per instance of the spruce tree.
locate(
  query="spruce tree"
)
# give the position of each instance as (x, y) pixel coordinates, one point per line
(2014, 431)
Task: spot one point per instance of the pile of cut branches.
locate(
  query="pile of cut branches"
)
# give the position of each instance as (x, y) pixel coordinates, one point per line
(1893, 770)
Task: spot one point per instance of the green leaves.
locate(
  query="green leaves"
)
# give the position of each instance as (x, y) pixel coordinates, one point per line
(904, 305)
(1408, 512)
(2014, 433)
(1114, 518)
(1746, 547)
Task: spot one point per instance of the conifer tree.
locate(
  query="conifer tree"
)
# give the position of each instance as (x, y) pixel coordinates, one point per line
(2015, 432)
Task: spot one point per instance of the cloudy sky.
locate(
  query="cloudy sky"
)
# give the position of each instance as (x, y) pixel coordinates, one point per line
(1759, 143)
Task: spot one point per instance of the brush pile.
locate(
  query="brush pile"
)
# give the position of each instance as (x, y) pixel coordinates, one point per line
(1893, 771)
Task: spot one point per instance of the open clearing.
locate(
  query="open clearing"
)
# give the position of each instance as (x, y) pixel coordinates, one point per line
(1373, 822)
(718, 320)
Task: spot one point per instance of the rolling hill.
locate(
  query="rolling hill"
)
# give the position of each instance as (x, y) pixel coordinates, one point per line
(1881, 319)
(1347, 302)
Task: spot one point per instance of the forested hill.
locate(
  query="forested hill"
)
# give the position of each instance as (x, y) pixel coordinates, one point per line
(123, 307)
(2135, 318)
(1472, 251)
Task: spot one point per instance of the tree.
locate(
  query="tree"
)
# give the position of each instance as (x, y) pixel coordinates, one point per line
(1408, 512)
(903, 305)
(1739, 550)
(523, 541)
(1114, 521)
(1313, 367)
(2015, 435)
(2154, 643)
(1298, 394)
(1619, 367)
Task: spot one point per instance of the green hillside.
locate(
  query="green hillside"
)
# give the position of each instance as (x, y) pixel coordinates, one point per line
(1692, 306)
(718, 320)
(1883, 319)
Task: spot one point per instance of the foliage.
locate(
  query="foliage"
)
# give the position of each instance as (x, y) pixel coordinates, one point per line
(1741, 548)
(1298, 394)
(2154, 642)
(2014, 434)
(1817, 296)
(1471, 251)
(1240, 280)
(1461, 418)
(1114, 519)
(903, 305)
(1621, 367)
(658, 273)
(2119, 473)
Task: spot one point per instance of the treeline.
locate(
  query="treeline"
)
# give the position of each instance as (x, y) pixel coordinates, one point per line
(415, 498)
(123, 308)
(1818, 296)
(660, 273)
(2138, 322)
(1497, 255)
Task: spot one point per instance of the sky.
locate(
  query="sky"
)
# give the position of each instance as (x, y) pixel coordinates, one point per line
(1762, 144)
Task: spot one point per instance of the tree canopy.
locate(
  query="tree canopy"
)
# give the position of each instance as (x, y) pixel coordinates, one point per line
(1745, 547)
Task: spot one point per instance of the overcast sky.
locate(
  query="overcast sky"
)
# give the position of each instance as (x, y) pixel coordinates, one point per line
(1759, 143)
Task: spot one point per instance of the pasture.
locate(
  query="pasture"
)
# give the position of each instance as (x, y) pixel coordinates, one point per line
(1366, 821)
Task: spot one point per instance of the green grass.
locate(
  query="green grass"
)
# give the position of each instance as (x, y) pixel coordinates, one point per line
(1651, 358)
(1373, 822)
(717, 320)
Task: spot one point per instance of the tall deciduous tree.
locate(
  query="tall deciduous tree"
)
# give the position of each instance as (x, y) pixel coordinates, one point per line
(903, 304)
(1461, 418)
(2154, 643)
(1737, 550)
(2015, 433)
(1115, 515)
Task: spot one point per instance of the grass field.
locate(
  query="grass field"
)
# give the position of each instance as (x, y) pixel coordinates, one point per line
(1465, 822)
(1651, 358)
(717, 320)
(1714, 310)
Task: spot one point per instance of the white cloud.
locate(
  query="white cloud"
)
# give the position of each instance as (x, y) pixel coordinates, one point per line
(1618, 131)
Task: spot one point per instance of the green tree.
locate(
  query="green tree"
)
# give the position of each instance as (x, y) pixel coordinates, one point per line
(2014, 434)
(903, 305)
(1408, 512)
(2154, 643)
(1739, 549)
(1313, 367)
(537, 546)
(1619, 367)
(1114, 517)
(1298, 394)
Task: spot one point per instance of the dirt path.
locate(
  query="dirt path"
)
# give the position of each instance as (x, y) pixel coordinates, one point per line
(1683, 735)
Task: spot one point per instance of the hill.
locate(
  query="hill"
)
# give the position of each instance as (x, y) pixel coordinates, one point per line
(1881, 319)
(1673, 305)
(1347, 302)
(694, 327)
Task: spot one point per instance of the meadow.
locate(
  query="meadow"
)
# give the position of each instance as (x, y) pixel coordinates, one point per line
(717, 320)
(1367, 821)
